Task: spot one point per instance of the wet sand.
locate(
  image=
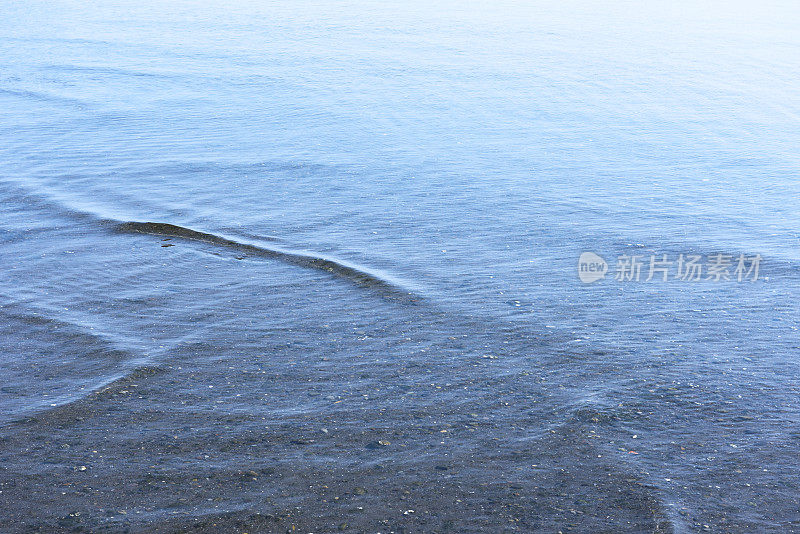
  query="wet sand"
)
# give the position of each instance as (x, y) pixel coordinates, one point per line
(123, 461)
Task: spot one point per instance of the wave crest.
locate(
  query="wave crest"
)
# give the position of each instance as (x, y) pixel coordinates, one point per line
(360, 275)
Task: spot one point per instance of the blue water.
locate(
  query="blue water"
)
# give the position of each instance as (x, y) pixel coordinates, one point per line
(366, 218)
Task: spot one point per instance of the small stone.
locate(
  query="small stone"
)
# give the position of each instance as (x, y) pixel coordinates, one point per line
(359, 491)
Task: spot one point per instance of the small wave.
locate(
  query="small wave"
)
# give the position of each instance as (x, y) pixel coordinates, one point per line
(108, 71)
(40, 318)
(27, 194)
(72, 360)
(337, 267)
(83, 211)
(44, 97)
(74, 405)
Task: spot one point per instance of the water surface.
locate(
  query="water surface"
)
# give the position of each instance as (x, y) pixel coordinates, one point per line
(314, 265)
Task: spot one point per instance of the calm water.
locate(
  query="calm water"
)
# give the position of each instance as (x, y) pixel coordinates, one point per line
(313, 265)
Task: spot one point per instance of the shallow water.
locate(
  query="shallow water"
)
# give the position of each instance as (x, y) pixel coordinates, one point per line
(314, 266)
